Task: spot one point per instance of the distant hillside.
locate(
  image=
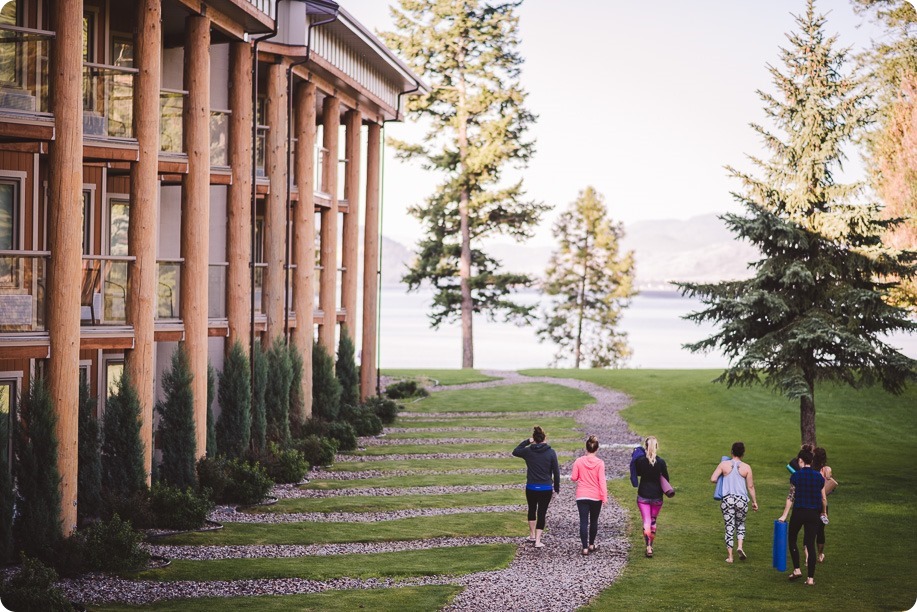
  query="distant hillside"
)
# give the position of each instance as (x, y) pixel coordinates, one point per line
(696, 249)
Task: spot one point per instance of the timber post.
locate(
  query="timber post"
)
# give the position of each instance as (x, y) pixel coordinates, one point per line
(331, 121)
(368, 365)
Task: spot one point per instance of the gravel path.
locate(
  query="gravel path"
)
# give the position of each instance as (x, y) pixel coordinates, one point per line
(547, 578)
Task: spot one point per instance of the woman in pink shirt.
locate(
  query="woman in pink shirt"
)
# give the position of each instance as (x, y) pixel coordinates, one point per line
(591, 492)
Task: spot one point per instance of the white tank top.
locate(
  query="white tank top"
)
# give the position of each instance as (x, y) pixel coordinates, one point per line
(733, 483)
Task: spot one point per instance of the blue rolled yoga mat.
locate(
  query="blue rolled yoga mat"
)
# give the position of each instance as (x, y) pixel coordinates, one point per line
(780, 545)
(718, 491)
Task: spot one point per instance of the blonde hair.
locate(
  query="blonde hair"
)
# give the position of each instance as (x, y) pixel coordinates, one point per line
(651, 444)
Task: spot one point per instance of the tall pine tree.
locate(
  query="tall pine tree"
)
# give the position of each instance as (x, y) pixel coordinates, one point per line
(123, 470)
(345, 369)
(89, 459)
(814, 310)
(277, 393)
(468, 51)
(258, 438)
(233, 430)
(177, 437)
(591, 283)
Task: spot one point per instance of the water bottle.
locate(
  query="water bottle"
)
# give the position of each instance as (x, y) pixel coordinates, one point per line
(824, 519)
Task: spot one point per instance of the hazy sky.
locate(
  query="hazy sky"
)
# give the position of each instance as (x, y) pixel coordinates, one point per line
(646, 104)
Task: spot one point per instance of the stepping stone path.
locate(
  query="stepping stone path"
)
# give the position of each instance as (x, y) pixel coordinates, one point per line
(556, 577)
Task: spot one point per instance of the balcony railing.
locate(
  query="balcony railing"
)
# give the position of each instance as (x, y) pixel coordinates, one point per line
(24, 56)
(265, 6)
(104, 289)
(168, 289)
(23, 277)
(219, 137)
(171, 104)
(216, 290)
(108, 99)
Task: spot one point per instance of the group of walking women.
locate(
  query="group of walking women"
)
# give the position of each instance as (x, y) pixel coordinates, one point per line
(543, 484)
(807, 497)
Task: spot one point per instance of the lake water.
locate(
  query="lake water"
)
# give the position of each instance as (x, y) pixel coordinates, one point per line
(653, 322)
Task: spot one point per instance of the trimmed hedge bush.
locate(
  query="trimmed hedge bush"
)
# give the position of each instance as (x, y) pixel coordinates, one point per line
(175, 508)
(364, 420)
(405, 389)
(234, 481)
(32, 588)
(108, 546)
(285, 466)
(317, 450)
(384, 408)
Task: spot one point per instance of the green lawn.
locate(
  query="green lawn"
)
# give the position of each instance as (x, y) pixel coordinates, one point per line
(408, 599)
(454, 449)
(432, 465)
(871, 439)
(528, 397)
(418, 480)
(521, 426)
(387, 503)
(417, 528)
(507, 437)
(430, 562)
(441, 377)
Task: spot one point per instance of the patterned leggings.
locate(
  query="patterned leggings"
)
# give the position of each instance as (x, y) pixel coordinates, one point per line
(735, 509)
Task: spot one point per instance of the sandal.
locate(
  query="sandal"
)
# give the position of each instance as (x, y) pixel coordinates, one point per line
(593, 547)
(794, 576)
(585, 552)
(742, 555)
(649, 552)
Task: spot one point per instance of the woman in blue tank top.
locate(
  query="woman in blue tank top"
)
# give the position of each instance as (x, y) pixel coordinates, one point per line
(738, 486)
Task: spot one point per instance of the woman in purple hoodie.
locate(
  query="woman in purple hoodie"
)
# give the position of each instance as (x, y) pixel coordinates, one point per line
(591, 492)
(541, 461)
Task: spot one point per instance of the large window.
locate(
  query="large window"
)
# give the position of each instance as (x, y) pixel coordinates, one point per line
(114, 369)
(9, 396)
(9, 232)
(9, 47)
(119, 215)
(87, 222)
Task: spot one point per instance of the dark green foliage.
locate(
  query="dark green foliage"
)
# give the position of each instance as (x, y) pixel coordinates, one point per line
(326, 389)
(364, 420)
(107, 546)
(591, 283)
(344, 434)
(258, 440)
(7, 542)
(123, 470)
(32, 589)
(89, 479)
(233, 430)
(478, 126)
(814, 309)
(285, 466)
(345, 369)
(38, 521)
(176, 424)
(134, 508)
(234, 480)
(297, 401)
(405, 389)
(175, 508)
(317, 450)
(277, 393)
(384, 408)
(211, 422)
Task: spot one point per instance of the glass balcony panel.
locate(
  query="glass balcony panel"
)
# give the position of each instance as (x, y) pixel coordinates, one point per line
(171, 104)
(259, 287)
(342, 174)
(117, 280)
(24, 56)
(260, 150)
(23, 276)
(168, 296)
(320, 154)
(317, 282)
(108, 101)
(219, 138)
(216, 287)
(104, 290)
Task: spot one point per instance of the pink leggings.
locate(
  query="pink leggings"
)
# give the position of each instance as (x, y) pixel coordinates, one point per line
(649, 510)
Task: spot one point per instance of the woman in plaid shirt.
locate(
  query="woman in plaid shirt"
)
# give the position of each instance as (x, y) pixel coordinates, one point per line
(809, 507)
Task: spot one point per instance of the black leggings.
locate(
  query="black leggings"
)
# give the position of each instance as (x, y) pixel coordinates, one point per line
(810, 519)
(588, 516)
(538, 505)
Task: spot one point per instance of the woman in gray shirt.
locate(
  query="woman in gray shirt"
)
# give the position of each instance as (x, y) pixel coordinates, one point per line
(738, 485)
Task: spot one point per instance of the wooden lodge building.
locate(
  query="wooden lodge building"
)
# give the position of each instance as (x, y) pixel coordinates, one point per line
(183, 171)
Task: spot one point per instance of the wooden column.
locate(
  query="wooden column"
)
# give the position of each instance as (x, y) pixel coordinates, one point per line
(351, 236)
(304, 234)
(368, 365)
(275, 218)
(195, 215)
(239, 205)
(331, 120)
(65, 220)
(144, 217)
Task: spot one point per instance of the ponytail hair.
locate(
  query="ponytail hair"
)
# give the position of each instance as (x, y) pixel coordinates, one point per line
(651, 445)
(592, 444)
(538, 434)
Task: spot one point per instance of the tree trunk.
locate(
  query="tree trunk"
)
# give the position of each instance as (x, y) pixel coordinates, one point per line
(577, 353)
(465, 225)
(807, 417)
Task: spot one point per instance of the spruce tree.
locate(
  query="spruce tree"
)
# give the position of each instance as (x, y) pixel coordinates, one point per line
(177, 437)
(89, 459)
(7, 543)
(235, 396)
(297, 400)
(123, 470)
(277, 393)
(591, 283)
(478, 122)
(814, 309)
(345, 368)
(326, 389)
(38, 520)
(211, 422)
(259, 423)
